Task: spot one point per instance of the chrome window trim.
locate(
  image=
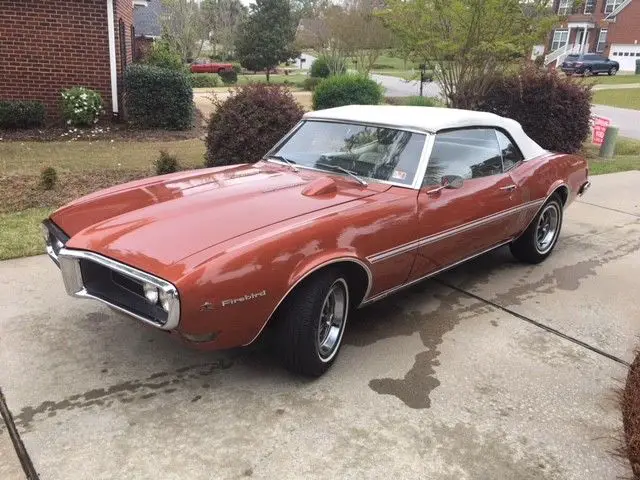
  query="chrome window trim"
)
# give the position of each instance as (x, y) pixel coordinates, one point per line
(70, 266)
(420, 169)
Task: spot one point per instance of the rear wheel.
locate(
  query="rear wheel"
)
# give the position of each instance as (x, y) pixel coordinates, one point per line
(311, 322)
(539, 239)
(613, 71)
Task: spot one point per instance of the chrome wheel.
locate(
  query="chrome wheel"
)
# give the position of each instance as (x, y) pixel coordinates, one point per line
(547, 229)
(613, 71)
(587, 72)
(332, 320)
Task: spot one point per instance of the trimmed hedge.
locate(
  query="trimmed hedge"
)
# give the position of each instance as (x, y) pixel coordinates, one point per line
(553, 110)
(158, 98)
(16, 114)
(204, 80)
(249, 122)
(229, 77)
(340, 90)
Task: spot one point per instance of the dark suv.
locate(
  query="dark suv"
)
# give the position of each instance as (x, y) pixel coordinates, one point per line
(589, 64)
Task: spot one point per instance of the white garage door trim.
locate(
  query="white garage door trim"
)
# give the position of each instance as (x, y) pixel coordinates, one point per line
(627, 62)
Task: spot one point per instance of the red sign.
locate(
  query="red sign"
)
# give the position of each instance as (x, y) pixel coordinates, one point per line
(599, 126)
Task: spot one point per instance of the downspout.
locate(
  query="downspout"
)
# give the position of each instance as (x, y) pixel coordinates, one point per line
(112, 57)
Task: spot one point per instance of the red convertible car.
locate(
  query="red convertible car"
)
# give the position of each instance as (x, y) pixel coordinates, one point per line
(352, 205)
(210, 67)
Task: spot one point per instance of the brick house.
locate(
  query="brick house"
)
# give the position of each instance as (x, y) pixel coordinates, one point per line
(606, 27)
(47, 46)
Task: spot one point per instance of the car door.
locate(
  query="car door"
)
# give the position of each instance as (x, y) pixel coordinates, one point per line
(457, 223)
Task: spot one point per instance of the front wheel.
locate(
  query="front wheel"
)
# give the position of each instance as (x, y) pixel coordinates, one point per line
(311, 322)
(539, 239)
(587, 72)
(613, 71)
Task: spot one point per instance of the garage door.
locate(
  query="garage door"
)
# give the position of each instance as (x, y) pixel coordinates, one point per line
(625, 55)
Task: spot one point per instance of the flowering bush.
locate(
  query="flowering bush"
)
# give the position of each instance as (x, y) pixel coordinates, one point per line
(81, 106)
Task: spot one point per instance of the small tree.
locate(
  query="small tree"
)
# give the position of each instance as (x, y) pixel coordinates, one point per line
(223, 19)
(267, 36)
(467, 42)
(183, 26)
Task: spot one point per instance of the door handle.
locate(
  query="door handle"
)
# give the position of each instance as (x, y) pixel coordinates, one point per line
(508, 188)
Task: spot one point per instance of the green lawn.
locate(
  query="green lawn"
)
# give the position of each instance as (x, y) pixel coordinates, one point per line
(279, 79)
(626, 157)
(625, 98)
(20, 233)
(31, 157)
(616, 80)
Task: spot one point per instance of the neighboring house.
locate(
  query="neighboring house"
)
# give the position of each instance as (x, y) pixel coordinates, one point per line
(48, 46)
(606, 27)
(146, 22)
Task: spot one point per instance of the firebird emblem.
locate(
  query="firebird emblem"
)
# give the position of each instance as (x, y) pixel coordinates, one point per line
(249, 296)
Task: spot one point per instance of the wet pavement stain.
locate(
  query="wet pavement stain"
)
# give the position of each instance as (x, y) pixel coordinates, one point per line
(124, 392)
(391, 321)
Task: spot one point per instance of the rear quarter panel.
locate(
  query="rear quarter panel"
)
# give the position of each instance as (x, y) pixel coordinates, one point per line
(538, 178)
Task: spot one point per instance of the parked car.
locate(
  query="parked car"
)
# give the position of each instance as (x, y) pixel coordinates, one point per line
(204, 66)
(349, 207)
(589, 64)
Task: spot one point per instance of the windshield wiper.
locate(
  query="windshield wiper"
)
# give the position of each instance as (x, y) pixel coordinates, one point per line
(291, 163)
(343, 170)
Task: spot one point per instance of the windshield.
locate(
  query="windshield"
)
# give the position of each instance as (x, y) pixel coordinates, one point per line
(374, 153)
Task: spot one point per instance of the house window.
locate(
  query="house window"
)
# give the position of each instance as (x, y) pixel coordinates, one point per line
(602, 40)
(565, 7)
(589, 6)
(560, 38)
(611, 5)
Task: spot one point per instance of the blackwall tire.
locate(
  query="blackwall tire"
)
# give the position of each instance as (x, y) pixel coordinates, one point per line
(540, 238)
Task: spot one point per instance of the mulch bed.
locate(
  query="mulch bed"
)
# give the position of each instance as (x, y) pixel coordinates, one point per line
(631, 417)
(104, 131)
(19, 192)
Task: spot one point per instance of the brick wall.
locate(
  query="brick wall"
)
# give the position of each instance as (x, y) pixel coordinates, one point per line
(47, 46)
(626, 28)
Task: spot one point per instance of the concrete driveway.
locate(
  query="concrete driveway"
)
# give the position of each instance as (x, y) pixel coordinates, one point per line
(495, 370)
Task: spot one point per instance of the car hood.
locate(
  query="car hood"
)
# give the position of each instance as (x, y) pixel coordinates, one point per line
(159, 221)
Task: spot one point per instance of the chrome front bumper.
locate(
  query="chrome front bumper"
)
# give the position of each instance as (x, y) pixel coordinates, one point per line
(111, 282)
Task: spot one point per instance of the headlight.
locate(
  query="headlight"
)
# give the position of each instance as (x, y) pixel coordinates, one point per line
(45, 233)
(150, 293)
(165, 301)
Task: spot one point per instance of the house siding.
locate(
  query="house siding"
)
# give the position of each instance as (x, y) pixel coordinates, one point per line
(625, 29)
(47, 47)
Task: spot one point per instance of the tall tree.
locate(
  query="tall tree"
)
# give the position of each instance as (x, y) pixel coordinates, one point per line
(267, 36)
(466, 42)
(223, 19)
(183, 27)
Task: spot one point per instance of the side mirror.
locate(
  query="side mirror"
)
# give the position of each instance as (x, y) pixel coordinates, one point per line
(449, 182)
(452, 181)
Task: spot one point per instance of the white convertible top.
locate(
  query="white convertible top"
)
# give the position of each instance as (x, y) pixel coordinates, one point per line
(428, 119)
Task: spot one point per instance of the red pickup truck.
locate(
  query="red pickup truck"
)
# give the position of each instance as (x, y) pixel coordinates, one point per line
(209, 67)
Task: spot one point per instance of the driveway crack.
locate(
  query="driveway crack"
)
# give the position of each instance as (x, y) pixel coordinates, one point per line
(609, 208)
(536, 323)
(21, 450)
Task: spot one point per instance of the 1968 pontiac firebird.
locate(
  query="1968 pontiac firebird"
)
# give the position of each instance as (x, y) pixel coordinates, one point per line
(350, 206)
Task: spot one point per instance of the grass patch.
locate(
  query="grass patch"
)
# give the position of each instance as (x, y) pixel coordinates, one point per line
(20, 233)
(624, 98)
(616, 80)
(31, 157)
(626, 157)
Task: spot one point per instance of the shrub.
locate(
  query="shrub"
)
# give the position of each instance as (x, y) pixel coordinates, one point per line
(166, 163)
(81, 106)
(16, 114)
(157, 97)
(310, 83)
(418, 101)
(248, 123)
(346, 90)
(48, 178)
(237, 68)
(229, 77)
(204, 80)
(327, 65)
(553, 110)
(163, 55)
